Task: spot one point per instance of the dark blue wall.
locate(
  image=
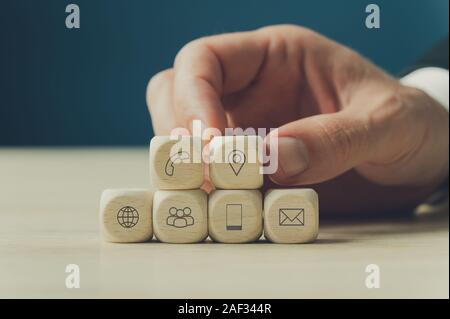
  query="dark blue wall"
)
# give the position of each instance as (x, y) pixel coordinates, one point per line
(87, 86)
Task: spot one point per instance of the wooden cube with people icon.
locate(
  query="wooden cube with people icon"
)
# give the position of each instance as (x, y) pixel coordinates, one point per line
(180, 216)
(235, 216)
(291, 216)
(176, 163)
(126, 215)
(235, 162)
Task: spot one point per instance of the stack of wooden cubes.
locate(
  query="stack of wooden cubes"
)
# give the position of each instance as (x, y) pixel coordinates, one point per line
(235, 212)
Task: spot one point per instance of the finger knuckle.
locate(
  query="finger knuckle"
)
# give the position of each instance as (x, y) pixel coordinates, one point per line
(190, 48)
(284, 29)
(159, 80)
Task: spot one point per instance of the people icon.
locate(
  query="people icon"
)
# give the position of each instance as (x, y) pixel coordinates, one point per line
(180, 218)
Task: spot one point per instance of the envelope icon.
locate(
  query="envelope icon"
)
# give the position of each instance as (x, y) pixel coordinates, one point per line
(292, 216)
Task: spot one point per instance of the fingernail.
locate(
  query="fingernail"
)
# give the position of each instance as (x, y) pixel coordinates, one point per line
(292, 155)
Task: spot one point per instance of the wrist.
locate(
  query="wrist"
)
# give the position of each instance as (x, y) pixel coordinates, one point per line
(432, 118)
(412, 145)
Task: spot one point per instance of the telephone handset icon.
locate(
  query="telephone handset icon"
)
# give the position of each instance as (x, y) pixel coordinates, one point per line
(175, 159)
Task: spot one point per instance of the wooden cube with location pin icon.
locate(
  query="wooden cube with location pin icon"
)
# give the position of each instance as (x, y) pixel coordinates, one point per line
(235, 162)
(176, 163)
(291, 216)
(126, 215)
(235, 216)
(180, 217)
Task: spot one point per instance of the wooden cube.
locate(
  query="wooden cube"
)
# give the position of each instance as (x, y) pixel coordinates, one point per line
(291, 216)
(235, 162)
(180, 216)
(176, 163)
(126, 215)
(235, 216)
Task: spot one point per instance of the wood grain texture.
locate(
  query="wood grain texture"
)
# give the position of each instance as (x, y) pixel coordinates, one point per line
(126, 215)
(176, 164)
(291, 216)
(235, 216)
(234, 162)
(180, 217)
(49, 203)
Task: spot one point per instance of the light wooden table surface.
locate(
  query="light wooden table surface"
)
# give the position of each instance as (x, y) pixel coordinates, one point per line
(49, 218)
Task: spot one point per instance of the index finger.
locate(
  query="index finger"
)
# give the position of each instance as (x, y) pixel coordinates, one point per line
(211, 67)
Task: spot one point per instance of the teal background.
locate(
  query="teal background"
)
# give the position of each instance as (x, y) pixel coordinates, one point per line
(87, 86)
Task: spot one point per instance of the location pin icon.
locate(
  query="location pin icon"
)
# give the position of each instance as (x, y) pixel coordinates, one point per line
(236, 160)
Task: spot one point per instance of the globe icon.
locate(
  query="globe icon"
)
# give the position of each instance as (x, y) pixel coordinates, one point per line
(128, 217)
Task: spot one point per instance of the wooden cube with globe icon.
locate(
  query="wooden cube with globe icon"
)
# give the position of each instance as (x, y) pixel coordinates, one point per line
(235, 162)
(126, 215)
(180, 216)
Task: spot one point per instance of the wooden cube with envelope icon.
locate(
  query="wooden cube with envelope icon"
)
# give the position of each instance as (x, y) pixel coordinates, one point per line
(291, 216)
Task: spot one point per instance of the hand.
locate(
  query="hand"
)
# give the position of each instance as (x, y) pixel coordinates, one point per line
(377, 144)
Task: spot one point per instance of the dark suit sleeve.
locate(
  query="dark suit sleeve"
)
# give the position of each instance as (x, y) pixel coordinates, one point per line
(437, 56)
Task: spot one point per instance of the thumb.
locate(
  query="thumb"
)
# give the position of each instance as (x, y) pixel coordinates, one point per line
(318, 148)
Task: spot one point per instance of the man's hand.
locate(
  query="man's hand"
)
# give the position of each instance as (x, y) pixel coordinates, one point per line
(335, 112)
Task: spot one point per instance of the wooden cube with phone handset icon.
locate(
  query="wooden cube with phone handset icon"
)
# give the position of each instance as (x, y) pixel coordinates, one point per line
(176, 162)
(235, 162)
(291, 216)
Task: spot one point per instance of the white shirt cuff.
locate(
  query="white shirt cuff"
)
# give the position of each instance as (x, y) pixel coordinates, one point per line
(433, 81)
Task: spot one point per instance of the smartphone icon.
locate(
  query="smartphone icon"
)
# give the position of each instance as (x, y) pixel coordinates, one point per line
(234, 217)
